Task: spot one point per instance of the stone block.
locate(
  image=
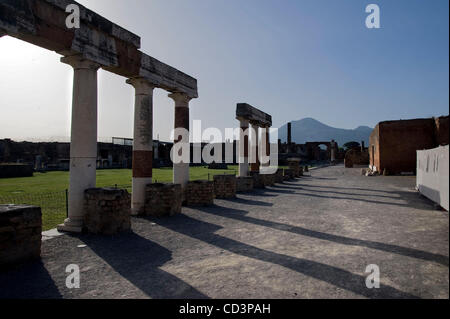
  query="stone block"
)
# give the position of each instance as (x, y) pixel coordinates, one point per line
(225, 186)
(20, 233)
(200, 193)
(163, 199)
(107, 211)
(244, 184)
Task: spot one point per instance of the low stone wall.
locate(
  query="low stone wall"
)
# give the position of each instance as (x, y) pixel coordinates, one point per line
(225, 186)
(244, 184)
(279, 176)
(107, 210)
(306, 169)
(200, 193)
(163, 199)
(258, 180)
(289, 174)
(356, 157)
(20, 233)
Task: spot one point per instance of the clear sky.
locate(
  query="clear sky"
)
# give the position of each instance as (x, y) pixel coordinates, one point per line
(290, 58)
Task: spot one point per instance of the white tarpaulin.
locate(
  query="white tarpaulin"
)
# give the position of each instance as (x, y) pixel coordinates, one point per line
(432, 174)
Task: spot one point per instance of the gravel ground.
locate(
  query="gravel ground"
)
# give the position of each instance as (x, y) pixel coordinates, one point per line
(309, 238)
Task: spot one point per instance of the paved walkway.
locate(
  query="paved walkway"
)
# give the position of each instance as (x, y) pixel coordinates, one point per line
(311, 238)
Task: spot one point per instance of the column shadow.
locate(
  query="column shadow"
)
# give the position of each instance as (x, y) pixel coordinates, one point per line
(333, 275)
(399, 250)
(138, 259)
(28, 281)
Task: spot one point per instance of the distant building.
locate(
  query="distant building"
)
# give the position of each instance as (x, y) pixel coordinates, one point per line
(393, 144)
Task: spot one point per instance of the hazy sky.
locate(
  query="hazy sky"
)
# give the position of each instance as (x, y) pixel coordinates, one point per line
(290, 58)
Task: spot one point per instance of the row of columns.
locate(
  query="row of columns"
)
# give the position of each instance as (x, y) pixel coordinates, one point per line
(244, 147)
(83, 147)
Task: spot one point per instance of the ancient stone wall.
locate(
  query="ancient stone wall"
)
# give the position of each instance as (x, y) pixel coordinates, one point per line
(268, 179)
(20, 233)
(442, 131)
(258, 180)
(163, 199)
(200, 193)
(356, 157)
(225, 186)
(244, 184)
(289, 174)
(107, 211)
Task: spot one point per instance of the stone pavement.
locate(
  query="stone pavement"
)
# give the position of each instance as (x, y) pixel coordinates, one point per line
(310, 238)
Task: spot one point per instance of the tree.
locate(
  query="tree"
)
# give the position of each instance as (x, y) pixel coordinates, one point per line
(350, 145)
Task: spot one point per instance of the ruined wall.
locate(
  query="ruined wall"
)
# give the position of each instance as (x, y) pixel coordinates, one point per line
(20, 233)
(398, 142)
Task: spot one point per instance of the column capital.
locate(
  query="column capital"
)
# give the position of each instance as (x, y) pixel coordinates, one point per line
(141, 85)
(78, 62)
(180, 98)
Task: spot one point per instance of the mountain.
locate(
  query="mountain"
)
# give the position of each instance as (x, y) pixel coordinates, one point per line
(311, 130)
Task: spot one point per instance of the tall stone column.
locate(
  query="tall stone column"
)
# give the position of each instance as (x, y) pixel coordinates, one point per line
(254, 167)
(181, 170)
(83, 145)
(142, 142)
(333, 151)
(243, 148)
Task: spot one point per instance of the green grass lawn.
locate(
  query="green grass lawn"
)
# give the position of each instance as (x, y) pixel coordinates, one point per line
(48, 190)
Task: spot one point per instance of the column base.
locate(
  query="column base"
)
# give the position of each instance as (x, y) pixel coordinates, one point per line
(70, 227)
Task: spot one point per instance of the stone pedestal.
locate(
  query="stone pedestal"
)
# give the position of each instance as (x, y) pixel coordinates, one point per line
(289, 174)
(268, 179)
(258, 180)
(225, 186)
(20, 234)
(163, 199)
(107, 211)
(200, 193)
(244, 184)
(294, 164)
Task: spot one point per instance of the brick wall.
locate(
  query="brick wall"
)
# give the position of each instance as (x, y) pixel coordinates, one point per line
(200, 193)
(225, 186)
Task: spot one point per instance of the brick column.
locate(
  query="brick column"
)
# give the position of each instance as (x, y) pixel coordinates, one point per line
(243, 148)
(142, 142)
(254, 167)
(83, 145)
(181, 170)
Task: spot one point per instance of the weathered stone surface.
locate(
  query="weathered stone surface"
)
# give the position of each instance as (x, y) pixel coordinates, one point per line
(107, 211)
(244, 184)
(258, 180)
(42, 22)
(254, 115)
(200, 193)
(225, 186)
(163, 199)
(289, 174)
(279, 176)
(268, 179)
(20, 233)
(294, 164)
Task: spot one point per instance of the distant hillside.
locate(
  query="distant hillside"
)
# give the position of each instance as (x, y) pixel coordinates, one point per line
(311, 130)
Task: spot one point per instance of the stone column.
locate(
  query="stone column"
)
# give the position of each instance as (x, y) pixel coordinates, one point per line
(181, 170)
(83, 145)
(142, 142)
(243, 148)
(266, 140)
(333, 151)
(254, 167)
